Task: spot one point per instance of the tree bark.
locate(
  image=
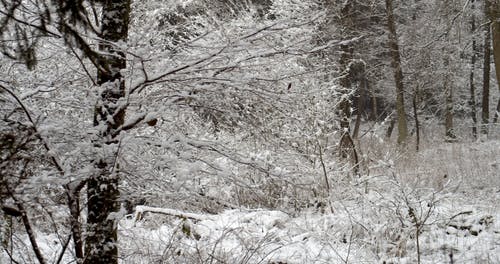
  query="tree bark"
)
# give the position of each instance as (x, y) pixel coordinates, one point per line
(352, 73)
(390, 128)
(344, 107)
(494, 14)
(345, 82)
(360, 104)
(472, 99)
(485, 113)
(415, 115)
(448, 118)
(450, 134)
(109, 114)
(374, 113)
(73, 195)
(497, 112)
(398, 74)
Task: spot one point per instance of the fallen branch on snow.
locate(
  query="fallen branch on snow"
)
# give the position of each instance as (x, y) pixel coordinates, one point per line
(141, 209)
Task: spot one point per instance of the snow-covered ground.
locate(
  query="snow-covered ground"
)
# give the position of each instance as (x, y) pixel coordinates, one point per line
(450, 192)
(461, 228)
(372, 219)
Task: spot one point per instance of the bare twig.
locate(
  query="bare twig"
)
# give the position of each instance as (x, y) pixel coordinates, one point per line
(50, 152)
(63, 250)
(325, 174)
(29, 230)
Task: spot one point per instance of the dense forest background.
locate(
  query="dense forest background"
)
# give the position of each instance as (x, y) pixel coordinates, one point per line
(249, 131)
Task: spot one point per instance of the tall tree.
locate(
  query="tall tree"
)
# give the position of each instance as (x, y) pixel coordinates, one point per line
(187, 81)
(494, 15)
(346, 57)
(109, 116)
(398, 73)
(352, 79)
(448, 115)
(448, 85)
(485, 103)
(65, 20)
(472, 87)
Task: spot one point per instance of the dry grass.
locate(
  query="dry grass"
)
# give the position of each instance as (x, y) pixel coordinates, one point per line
(465, 164)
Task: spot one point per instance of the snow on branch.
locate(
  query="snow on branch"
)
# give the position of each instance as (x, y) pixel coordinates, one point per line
(57, 163)
(141, 209)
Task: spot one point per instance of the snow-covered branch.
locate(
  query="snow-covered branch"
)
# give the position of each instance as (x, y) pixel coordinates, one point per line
(141, 209)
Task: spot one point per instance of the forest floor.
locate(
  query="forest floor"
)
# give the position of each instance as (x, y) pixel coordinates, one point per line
(447, 196)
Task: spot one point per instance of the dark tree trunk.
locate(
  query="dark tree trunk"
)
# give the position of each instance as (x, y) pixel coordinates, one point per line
(472, 99)
(360, 105)
(494, 14)
(390, 128)
(374, 113)
(344, 106)
(102, 188)
(345, 82)
(448, 118)
(73, 195)
(346, 146)
(497, 112)
(485, 113)
(415, 115)
(398, 73)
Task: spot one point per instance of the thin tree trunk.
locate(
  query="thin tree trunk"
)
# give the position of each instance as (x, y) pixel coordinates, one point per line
(494, 14)
(398, 73)
(450, 134)
(102, 188)
(31, 233)
(363, 87)
(472, 100)
(374, 114)
(21, 211)
(415, 115)
(73, 195)
(497, 112)
(485, 113)
(390, 128)
(448, 119)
